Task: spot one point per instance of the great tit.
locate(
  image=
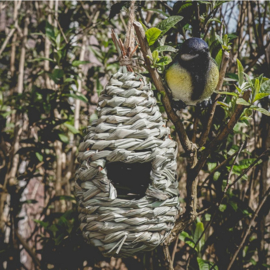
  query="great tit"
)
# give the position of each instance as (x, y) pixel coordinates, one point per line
(193, 75)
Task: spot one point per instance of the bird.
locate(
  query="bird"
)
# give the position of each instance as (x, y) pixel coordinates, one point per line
(193, 75)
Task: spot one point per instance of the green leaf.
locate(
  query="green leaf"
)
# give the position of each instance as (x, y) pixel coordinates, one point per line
(227, 93)
(241, 101)
(184, 6)
(152, 35)
(42, 223)
(166, 48)
(207, 217)
(167, 24)
(213, 20)
(256, 87)
(216, 176)
(63, 138)
(265, 87)
(49, 30)
(260, 96)
(41, 59)
(190, 243)
(261, 110)
(183, 235)
(56, 75)
(77, 96)
(222, 207)
(77, 63)
(39, 156)
(205, 265)
(71, 128)
(202, 264)
(165, 60)
(155, 55)
(198, 232)
(240, 73)
(211, 166)
(218, 57)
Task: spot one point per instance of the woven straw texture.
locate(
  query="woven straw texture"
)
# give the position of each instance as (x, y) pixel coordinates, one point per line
(129, 129)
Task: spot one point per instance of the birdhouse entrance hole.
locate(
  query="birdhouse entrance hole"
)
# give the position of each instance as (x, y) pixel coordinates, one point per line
(131, 180)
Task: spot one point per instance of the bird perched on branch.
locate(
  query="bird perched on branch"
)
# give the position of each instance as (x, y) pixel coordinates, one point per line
(193, 75)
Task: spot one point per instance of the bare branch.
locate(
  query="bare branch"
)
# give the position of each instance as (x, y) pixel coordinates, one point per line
(28, 249)
(224, 65)
(249, 228)
(186, 143)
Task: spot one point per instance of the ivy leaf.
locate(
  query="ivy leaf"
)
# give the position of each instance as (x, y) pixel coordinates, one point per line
(241, 101)
(166, 48)
(167, 24)
(152, 35)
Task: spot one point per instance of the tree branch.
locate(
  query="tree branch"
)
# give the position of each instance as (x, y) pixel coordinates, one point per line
(28, 249)
(249, 228)
(222, 135)
(224, 65)
(186, 143)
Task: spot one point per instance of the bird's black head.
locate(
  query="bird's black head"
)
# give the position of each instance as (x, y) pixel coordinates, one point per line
(194, 49)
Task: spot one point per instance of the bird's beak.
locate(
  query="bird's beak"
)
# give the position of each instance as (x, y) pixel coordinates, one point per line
(188, 57)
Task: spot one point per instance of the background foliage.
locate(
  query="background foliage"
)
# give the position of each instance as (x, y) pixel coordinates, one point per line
(55, 58)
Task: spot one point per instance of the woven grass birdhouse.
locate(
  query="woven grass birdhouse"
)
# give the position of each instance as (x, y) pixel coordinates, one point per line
(126, 186)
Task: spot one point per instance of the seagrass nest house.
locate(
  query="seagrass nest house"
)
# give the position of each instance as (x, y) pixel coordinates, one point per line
(126, 185)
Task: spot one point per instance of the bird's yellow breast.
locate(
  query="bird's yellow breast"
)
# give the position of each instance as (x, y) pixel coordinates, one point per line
(180, 83)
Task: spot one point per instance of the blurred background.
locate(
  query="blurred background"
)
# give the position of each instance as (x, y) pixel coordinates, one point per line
(55, 59)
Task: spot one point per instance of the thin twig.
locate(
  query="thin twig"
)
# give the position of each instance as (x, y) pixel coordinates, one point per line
(220, 166)
(28, 249)
(249, 228)
(248, 169)
(236, 157)
(186, 143)
(224, 65)
(223, 134)
(174, 249)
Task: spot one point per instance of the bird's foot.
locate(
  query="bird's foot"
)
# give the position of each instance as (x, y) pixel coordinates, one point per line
(178, 105)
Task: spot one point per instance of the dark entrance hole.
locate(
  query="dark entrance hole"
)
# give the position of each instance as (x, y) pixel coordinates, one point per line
(130, 179)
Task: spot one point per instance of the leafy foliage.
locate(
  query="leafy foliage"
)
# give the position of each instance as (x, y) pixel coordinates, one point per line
(39, 131)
